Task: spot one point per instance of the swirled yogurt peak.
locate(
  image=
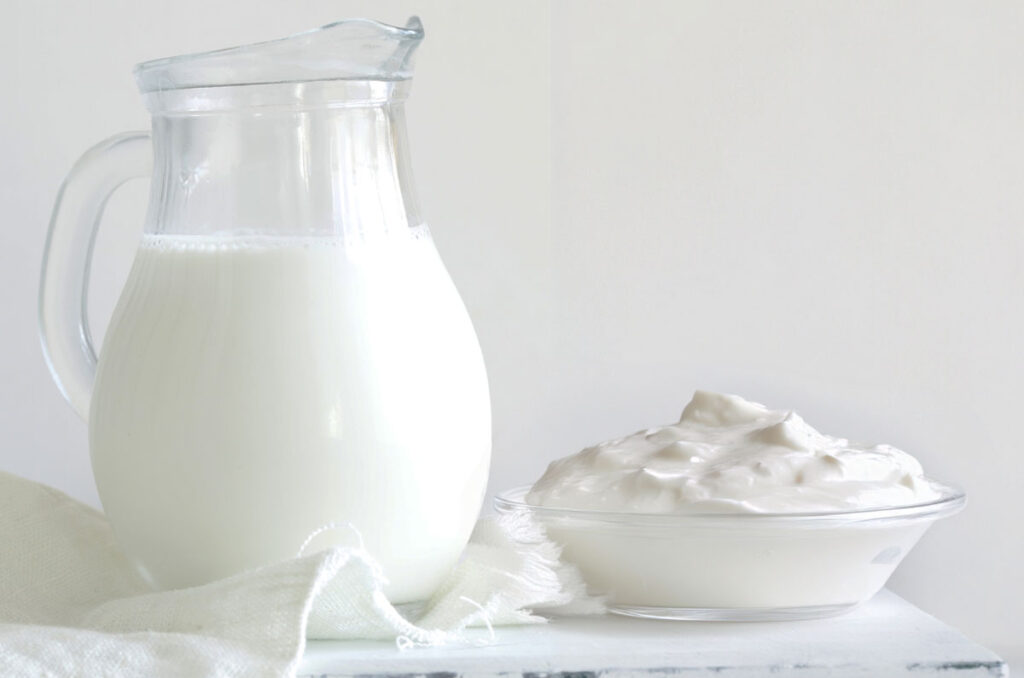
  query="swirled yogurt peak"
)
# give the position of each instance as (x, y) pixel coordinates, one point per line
(730, 455)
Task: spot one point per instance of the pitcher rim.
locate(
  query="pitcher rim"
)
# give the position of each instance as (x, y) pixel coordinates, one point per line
(398, 67)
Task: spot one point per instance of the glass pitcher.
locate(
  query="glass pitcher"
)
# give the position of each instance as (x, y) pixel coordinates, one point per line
(289, 352)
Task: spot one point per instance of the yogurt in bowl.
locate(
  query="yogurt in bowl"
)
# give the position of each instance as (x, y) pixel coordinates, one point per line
(735, 512)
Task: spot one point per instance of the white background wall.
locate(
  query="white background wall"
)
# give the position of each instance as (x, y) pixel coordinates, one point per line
(817, 205)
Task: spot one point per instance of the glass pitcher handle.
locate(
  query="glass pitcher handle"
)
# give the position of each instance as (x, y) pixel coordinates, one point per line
(63, 288)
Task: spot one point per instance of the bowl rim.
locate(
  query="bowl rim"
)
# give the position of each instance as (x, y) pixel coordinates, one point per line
(951, 501)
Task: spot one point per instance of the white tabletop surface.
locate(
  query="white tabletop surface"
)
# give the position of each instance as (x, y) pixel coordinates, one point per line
(885, 637)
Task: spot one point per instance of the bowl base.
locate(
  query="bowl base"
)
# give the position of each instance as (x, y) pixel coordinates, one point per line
(733, 614)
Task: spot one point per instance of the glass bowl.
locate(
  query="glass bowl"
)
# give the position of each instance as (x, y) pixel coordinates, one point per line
(736, 567)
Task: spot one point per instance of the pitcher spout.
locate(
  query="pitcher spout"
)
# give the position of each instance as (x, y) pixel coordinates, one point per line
(351, 49)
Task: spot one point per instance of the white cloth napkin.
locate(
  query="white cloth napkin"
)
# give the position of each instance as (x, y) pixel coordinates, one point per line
(72, 605)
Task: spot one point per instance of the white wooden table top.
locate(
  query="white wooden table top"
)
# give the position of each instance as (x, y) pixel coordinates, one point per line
(885, 637)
